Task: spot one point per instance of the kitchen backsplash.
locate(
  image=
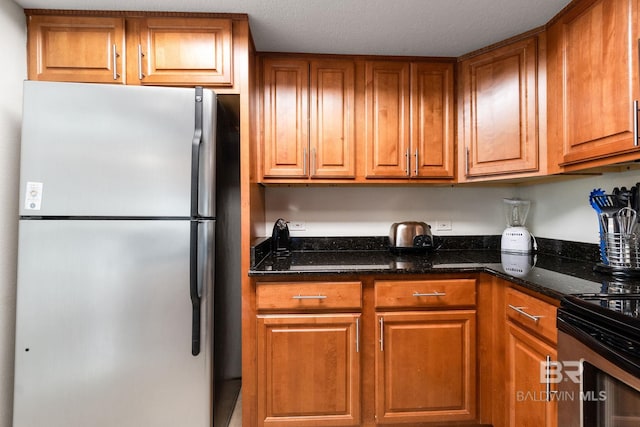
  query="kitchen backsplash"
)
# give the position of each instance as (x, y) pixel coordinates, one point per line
(559, 248)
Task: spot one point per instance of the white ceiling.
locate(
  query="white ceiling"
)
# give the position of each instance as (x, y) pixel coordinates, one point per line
(374, 27)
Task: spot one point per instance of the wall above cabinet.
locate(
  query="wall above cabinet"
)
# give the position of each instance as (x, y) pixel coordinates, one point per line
(425, 28)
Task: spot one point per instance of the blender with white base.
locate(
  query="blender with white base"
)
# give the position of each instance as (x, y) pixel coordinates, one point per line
(516, 238)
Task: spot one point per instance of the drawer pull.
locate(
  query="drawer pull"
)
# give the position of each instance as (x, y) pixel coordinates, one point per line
(429, 294)
(520, 310)
(309, 297)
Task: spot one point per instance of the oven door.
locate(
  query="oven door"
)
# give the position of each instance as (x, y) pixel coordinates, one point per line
(594, 388)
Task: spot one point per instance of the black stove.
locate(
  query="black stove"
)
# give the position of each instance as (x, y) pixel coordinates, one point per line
(608, 321)
(619, 297)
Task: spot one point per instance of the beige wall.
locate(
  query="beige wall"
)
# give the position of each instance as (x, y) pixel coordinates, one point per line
(559, 210)
(12, 73)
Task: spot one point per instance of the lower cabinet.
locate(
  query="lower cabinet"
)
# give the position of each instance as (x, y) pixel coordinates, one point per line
(427, 352)
(309, 370)
(531, 404)
(425, 360)
(425, 367)
(531, 338)
(308, 353)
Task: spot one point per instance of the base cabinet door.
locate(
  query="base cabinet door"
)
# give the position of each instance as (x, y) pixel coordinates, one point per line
(309, 370)
(531, 401)
(425, 367)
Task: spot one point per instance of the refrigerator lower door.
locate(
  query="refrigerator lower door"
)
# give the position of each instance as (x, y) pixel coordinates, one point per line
(104, 325)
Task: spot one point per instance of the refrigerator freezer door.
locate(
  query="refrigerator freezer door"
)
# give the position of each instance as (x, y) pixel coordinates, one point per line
(109, 150)
(104, 332)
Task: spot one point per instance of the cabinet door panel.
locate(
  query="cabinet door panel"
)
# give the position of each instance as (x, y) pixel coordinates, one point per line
(286, 98)
(425, 367)
(500, 110)
(76, 49)
(189, 51)
(308, 370)
(432, 118)
(387, 125)
(526, 392)
(332, 120)
(595, 72)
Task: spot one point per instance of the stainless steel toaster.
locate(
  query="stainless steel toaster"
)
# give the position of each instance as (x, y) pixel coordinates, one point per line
(409, 235)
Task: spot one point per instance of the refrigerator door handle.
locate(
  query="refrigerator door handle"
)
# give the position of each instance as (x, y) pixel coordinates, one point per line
(195, 152)
(194, 288)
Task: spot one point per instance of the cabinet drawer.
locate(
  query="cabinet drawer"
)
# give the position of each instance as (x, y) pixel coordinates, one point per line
(532, 313)
(425, 293)
(308, 296)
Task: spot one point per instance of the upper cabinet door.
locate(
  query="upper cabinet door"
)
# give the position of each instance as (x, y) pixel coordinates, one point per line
(499, 111)
(332, 119)
(185, 51)
(387, 136)
(286, 113)
(432, 119)
(593, 80)
(76, 49)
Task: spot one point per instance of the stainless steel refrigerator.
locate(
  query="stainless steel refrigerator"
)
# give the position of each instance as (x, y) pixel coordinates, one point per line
(116, 253)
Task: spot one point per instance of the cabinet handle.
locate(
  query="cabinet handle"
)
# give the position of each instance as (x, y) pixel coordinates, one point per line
(313, 162)
(304, 161)
(381, 321)
(548, 381)
(520, 310)
(407, 159)
(429, 294)
(115, 63)
(358, 335)
(415, 166)
(635, 123)
(309, 297)
(466, 163)
(140, 55)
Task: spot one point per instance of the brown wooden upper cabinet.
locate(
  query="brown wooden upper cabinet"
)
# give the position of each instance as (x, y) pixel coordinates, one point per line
(157, 51)
(308, 118)
(499, 117)
(409, 120)
(593, 83)
(76, 49)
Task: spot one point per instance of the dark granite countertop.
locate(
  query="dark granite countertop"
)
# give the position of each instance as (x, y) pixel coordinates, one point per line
(552, 274)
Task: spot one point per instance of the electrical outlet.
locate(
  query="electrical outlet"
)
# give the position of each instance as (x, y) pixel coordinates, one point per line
(297, 226)
(444, 225)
